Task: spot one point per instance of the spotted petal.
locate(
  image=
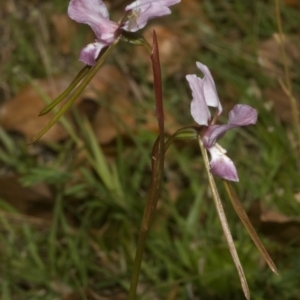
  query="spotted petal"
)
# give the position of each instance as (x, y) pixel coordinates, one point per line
(221, 165)
(141, 11)
(93, 13)
(139, 3)
(89, 53)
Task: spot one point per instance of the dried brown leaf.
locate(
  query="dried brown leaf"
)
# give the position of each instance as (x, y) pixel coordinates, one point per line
(293, 3)
(35, 201)
(123, 116)
(64, 31)
(281, 103)
(270, 56)
(172, 49)
(275, 225)
(118, 117)
(20, 114)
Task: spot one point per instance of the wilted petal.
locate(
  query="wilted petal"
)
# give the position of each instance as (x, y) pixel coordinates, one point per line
(240, 115)
(144, 10)
(95, 14)
(89, 53)
(209, 88)
(221, 165)
(199, 109)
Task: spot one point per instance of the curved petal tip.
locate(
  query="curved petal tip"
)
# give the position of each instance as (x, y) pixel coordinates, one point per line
(221, 165)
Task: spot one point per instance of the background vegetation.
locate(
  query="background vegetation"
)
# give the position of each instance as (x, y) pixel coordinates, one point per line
(71, 204)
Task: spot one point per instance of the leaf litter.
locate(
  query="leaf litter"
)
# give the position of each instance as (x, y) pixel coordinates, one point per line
(19, 114)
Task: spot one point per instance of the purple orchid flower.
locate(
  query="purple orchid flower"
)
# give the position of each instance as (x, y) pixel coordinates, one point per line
(205, 94)
(95, 14)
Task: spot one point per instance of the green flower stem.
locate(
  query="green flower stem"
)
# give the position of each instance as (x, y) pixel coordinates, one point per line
(186, 133)
(136, 40)
(224, 223)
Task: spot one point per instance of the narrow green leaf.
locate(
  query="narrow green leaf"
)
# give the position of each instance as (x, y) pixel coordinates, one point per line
(63, 95)
(101, 165)
(245, 220)
(92, 72)
(58, 115)
(224, 223)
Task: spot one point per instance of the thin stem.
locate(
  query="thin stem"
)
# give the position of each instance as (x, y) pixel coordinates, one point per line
(281, 44)
(153, 195)
(224, 223)
(133, 39)
(186, 133)
(157, 171)
(159, 112)
(239, 209)
(288, 85)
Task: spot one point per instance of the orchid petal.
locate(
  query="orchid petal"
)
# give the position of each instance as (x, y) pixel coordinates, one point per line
(93, 13)
(209, 88)
(89, 53)
(138, 3)
(199, 109)
(214, 133)
(144, 10)
(240, 115)
(221, 165)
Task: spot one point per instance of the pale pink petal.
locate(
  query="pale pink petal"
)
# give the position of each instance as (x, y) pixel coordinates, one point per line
(199, 109)
(138, 3)
(144, 10)
(209, 88)
(221, 165)
(213, 133)
(89, 53)
(240, 115)
(93, 13)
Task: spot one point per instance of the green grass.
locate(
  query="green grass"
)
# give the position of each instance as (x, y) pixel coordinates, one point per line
(97, 202)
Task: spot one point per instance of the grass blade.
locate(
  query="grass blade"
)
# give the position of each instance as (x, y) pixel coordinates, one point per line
(245, 220)
(77, 91)
(224, 223)
(63, 95)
